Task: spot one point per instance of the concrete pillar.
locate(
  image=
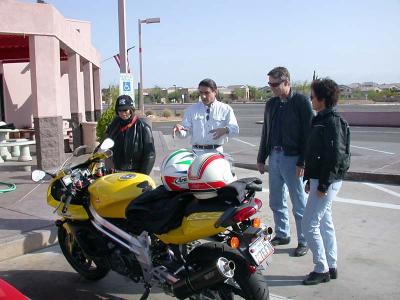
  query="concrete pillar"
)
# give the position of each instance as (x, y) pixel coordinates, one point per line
(74, 69)
(97, 93)
(88, 83)
(44, 54)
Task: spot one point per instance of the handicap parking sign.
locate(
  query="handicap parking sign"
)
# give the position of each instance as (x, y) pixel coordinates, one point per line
(126, 86)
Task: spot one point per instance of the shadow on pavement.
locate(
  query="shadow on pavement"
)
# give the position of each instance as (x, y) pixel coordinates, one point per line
(42, 284)
(284, 280)
(23, 224)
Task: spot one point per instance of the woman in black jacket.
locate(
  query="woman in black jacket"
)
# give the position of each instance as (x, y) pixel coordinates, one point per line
(134, 144)
(327, 159)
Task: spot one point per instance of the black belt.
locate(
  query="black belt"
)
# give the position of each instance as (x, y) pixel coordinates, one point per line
(206, 146)
(277, 148)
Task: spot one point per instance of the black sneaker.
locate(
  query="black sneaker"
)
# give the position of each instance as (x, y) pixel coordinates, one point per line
(333, 273)
(316, 278)
(280, 241)
(301, 250)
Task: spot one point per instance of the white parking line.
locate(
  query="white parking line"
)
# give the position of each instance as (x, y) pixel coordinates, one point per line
(367, 203)
(379, 132)
(378, 187)
(372, 149)
(359, 202)
(239, 140)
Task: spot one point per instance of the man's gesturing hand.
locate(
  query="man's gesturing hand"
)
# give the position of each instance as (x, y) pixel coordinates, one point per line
(177, 128)
(218, 132)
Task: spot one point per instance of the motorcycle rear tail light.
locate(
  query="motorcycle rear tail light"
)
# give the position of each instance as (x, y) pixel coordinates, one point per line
(258, 202)
(234, 242)
(244, 214)
(256, 222)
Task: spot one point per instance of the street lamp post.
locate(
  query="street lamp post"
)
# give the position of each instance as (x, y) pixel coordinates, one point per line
(146, 21)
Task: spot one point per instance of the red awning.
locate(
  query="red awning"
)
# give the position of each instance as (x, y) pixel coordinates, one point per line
(15, 48)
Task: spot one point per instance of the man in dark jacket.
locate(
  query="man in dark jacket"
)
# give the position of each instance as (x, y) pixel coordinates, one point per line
(134, 144)
(287, 121)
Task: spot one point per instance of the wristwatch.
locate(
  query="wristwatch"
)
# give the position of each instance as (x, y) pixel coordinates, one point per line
(227, 130)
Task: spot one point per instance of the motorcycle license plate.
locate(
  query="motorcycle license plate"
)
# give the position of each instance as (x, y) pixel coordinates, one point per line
(260, 250)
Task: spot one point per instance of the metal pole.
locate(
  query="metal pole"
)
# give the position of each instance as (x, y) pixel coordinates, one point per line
(122, 36)
(141, 100)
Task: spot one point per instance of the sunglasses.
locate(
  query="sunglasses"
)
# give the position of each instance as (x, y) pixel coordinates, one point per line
(274, 84)
(312, 97)
(208, 114)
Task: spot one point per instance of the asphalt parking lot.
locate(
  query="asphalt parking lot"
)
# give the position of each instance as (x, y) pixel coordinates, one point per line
(365, 215)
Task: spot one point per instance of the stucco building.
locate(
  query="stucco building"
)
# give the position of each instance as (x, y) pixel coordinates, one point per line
(49, 72)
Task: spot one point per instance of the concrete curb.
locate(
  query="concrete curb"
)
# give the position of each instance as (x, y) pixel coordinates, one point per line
(27, 242)
(352, 176)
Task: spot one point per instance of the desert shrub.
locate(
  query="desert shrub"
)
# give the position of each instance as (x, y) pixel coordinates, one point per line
(167, 113)
(149, 112)
(105, 119)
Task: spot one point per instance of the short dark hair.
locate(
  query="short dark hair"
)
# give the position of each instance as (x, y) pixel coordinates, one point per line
(280, 73)
(326, 89)
(209, 83)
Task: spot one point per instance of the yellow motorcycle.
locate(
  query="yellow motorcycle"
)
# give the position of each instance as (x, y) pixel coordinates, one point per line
(208, 249)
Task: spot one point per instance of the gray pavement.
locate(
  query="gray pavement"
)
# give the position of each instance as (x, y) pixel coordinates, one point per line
(365, 214)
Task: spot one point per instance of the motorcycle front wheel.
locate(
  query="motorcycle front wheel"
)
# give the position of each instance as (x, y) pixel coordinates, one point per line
(253, 286)
(88, 268)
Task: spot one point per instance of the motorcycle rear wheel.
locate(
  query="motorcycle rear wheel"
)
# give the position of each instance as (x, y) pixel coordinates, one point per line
(253, 286)
(88, 268)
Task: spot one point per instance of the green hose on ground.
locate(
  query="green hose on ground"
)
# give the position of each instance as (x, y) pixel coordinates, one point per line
(11, 187)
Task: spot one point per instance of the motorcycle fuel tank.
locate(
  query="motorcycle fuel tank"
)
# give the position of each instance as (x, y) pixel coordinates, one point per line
(111, 194)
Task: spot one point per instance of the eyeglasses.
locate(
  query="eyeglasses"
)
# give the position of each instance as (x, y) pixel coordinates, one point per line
(208, 114)
(274, 84)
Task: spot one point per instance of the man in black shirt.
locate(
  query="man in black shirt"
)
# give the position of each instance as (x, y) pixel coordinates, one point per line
(287, 121)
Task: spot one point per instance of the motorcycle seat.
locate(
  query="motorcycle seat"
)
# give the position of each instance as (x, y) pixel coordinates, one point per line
(208, 205)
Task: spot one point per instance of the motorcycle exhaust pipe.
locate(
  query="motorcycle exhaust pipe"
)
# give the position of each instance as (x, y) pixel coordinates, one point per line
(212, 274)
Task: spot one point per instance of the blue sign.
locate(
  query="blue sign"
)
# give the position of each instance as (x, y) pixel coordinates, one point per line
(127, 86)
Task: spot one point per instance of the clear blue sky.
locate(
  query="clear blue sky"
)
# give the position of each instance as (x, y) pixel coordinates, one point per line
(238, 42)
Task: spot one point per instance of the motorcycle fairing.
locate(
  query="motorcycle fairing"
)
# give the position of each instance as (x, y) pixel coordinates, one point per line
(195, 226)
(75, 211)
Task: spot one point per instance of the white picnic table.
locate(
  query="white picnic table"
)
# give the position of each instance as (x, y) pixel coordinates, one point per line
(4, 154)
(23, 154)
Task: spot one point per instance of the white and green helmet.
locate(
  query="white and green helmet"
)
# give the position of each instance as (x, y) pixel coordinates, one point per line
(174, 169)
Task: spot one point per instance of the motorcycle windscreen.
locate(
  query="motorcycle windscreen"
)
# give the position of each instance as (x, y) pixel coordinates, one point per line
(111, 194)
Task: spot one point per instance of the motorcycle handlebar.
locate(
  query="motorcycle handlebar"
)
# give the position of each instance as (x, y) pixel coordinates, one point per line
(67, 203)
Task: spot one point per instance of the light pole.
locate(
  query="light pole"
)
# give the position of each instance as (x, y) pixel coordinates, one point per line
(146, 21)
(127, 58)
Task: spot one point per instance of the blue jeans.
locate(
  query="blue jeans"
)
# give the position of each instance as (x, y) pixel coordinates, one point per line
(282, 170)
(318, 227)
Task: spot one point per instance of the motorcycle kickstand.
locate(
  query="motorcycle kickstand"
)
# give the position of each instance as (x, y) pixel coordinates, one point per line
(146, 292)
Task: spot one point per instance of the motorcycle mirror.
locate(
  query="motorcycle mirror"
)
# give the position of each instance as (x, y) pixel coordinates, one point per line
(107, 144)
(80, 150)
(38, 175)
